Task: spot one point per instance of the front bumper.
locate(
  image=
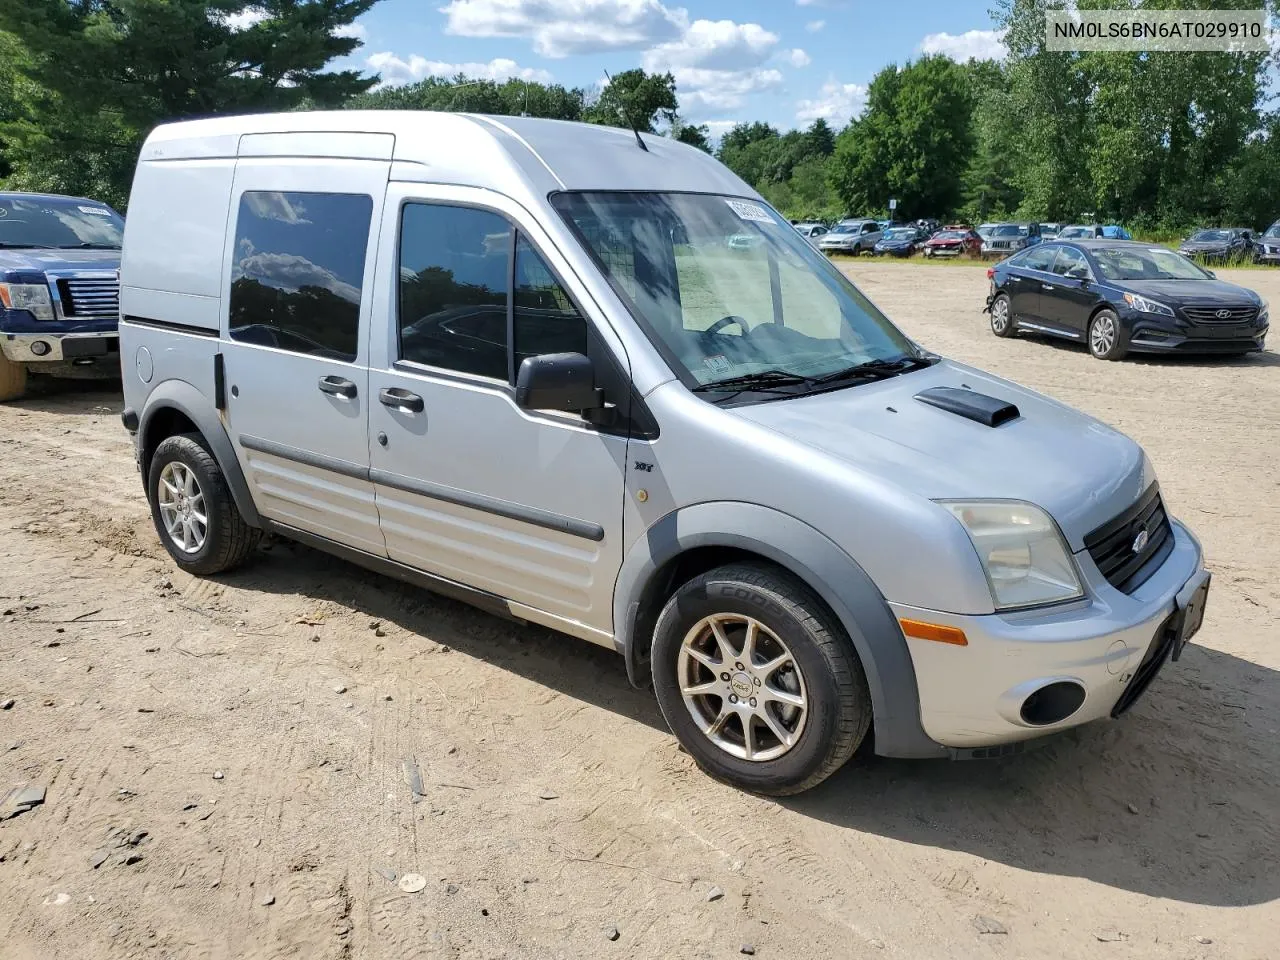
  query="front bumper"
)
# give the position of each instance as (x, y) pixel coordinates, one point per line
(943, 251)
(1148, 334)
(77, 348)
(972, 696)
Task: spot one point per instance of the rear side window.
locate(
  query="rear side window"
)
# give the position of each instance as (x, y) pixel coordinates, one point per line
(1038, 257)
(297, 269)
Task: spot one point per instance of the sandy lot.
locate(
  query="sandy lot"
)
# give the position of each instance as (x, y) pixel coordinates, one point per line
(225, 760)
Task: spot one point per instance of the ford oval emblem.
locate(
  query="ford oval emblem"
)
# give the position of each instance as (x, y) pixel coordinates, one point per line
(1223, 314)
(1140, 541)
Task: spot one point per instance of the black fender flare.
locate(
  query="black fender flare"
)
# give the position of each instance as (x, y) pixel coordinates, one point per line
(199, 409)
(810, 555)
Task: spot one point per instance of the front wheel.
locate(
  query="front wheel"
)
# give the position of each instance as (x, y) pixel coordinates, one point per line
(758, 681)
(13, 379)
(1001, 316)
(194, 513)
(1107, 339)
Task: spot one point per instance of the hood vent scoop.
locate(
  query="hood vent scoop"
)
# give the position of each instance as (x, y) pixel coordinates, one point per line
(972, 406)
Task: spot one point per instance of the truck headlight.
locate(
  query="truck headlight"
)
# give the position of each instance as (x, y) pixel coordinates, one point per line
(1143, 305)
(32, 297)
(1025, 558)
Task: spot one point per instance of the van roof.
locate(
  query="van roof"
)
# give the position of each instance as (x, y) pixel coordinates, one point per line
(461, 148)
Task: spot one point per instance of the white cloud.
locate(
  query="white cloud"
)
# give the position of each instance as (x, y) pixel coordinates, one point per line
(397, 70)
(716, 63)
(703, 91)
(975, 44)
(837, 103)
(354, 31)
(798, 58)
(718, 128)
(246, 18)
(807, 3)
(815, 26)
(559, 28)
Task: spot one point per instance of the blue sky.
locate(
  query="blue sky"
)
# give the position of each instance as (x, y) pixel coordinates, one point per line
(783, 61)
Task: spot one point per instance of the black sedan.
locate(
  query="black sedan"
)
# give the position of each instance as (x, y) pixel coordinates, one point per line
(1219, 244)
(900, 242)
(1119, 296)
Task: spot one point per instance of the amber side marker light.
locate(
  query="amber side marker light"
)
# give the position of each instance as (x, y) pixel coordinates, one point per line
(933, 631)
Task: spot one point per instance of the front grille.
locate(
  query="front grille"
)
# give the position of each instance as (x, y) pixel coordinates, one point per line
(1210, 314)
(999, 244)
(90, 298)
(1111, 545)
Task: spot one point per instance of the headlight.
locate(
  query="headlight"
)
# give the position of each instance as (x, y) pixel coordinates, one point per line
(1025, 558)
(1264, 316)
(1143, 305)
(33, 297)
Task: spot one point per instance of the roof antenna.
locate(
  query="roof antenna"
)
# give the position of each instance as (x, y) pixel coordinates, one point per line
(631, 123)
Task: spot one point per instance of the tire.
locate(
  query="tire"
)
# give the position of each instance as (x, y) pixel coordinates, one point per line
(1002, 322)
(13, 379)
(822, 672)
(227, 540)
(1102, 345)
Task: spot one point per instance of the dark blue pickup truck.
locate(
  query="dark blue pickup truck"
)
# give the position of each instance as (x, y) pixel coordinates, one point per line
(59, 289)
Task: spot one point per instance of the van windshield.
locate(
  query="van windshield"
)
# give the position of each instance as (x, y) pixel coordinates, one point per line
(29, 220)
(720, 310)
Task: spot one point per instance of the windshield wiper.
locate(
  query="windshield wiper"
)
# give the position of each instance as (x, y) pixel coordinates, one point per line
(877, 369)
(8, 245)
(88, 246)
(762, 378)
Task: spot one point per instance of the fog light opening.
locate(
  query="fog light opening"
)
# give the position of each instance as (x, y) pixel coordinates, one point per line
(1052, 703)
(40, 348)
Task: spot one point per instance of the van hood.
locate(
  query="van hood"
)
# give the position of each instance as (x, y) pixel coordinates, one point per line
(37, 259)
(1078, 469)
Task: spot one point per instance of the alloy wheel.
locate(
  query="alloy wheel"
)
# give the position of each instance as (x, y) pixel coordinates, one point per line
(1000, 315)
(1102, 335)
(742, 686)
(182, 509)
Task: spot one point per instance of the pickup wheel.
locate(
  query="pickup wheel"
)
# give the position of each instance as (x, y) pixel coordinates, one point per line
(13, 379)
(758, 681)
(194, 513)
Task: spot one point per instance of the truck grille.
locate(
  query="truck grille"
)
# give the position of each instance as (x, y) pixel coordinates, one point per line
(1210, 314)
(1112, 545)
(95, 298)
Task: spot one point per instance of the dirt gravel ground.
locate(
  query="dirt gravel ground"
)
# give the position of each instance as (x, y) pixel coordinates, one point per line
(225, 759)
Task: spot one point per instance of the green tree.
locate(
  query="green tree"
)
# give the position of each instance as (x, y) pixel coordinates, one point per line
(513, 97)
(123, 66)
(695, 136)
(636, 99)
(913, 141)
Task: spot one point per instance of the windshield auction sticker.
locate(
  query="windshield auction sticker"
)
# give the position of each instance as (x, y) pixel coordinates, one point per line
(746, 210)
(1230, 31)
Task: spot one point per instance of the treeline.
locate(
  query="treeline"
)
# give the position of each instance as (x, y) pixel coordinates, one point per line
(1159, 142)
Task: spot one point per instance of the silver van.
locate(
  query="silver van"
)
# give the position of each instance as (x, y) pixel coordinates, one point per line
(519, 362)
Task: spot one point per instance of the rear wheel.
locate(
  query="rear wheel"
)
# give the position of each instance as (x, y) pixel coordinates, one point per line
(194, 513)
(1002, 324)
(13, 379)
(1107, 339)
(758, 681)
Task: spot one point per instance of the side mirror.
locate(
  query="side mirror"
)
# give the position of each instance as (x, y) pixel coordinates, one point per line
(679, 235)
(1078, 273)
(558, 381)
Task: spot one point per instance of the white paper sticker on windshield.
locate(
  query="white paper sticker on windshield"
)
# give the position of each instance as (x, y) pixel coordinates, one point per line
(746, 210)
(96, 211)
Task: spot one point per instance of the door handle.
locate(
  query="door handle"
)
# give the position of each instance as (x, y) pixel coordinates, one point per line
(1046, 286)
(401, 399)
(338, 387)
